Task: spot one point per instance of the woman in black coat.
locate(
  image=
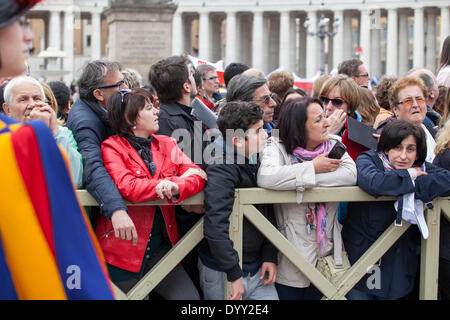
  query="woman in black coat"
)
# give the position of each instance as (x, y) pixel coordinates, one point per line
(396, 169)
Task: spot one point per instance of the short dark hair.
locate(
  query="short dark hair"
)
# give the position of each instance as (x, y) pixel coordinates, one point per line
(292, 122)
(62, 96)
(393, 134)
(349, 67)
(238, 115)
(93, 76)
(122, 116)
(167, 77)
(233, 69)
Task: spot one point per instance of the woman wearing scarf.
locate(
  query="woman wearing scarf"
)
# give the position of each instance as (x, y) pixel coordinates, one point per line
(397, 169)
(145, 167)
(296, 160)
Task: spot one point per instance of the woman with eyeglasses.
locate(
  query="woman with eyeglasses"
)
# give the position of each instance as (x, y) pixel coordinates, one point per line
(407, 98)
(396, 169)
(145, 167)
(296, 160)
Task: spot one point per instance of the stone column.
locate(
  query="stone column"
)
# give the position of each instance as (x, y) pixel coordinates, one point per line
(445, 24)
(230, 55)
(347, 28)
(403, 44)
(257, 41)
(302, 40)
(338, 40)
(392, 42)
(364, 37)
(419, 44)
(68, 61)
(273, 49)
(430, 58)
(285, 40)
(55, 30)
(312, 50)
(204, 39)
(96, 44)
(375, 68)
(177, 34)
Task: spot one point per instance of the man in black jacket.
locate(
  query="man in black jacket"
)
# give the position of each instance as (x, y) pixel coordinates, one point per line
(241, 125)
(90, 126)
(173, 80)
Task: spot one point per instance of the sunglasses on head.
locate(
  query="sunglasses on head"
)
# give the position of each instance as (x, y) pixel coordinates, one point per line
(335, 102)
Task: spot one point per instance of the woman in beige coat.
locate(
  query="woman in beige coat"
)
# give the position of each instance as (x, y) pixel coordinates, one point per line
(294, 160)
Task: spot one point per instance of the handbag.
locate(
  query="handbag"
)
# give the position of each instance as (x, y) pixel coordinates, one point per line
(334, 266)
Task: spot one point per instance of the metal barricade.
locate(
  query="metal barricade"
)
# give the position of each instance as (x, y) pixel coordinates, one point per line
(245, 199)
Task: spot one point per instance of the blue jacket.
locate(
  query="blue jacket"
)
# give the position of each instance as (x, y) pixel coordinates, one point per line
(366, 221)
(90, 127)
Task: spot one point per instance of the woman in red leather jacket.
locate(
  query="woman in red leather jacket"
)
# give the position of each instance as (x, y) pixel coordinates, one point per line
(145, 167)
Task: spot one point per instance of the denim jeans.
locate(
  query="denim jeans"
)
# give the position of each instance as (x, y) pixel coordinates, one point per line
(212, 284)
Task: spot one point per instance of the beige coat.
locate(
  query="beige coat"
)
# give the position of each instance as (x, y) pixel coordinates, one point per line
(276, 172)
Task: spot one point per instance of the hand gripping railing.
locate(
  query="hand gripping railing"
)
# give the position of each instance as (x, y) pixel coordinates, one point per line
(245, 199)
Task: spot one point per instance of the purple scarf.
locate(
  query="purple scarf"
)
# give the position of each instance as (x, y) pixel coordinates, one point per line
(319, 212)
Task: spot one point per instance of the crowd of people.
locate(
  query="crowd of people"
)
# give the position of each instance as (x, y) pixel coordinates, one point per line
(123, 143)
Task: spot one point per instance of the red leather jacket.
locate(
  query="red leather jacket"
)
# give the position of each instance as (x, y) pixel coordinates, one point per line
(136, 184)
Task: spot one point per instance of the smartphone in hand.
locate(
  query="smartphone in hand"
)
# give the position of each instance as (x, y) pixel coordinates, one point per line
(337, 151)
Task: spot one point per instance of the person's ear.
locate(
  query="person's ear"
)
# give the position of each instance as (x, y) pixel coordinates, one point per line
(6, 108)
(395, 110)
(187, 87)
(98, 95)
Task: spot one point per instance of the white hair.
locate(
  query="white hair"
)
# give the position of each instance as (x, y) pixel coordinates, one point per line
(7, 94)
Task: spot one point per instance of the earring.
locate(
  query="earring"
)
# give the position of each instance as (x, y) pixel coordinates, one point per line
(134, 127)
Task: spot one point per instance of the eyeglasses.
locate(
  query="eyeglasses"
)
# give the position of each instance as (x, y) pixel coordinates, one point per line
(211, 78)
(266, 99)
(123, 92)
(365, 75)
(117, 85)
(408, 102)
(335, 102)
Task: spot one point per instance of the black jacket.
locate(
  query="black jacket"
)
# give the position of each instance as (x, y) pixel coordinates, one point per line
(443, 160)
(217, 251)
(90, 126)
(176, 121)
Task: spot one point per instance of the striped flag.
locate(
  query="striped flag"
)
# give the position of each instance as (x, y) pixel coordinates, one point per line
(47, 247)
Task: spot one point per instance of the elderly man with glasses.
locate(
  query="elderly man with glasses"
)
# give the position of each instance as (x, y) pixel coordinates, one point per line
(251, 88)
(90, 125)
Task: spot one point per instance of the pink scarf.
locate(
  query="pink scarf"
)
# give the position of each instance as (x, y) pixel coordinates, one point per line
(319, 212)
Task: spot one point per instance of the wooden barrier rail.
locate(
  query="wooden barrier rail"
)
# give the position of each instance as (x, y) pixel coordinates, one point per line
(245, 199)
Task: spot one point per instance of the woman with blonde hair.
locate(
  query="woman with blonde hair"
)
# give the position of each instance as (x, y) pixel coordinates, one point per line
(369, 107)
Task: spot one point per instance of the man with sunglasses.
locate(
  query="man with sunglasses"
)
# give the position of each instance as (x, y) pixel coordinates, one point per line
(355, 69)
(90, 126)
(250, 88)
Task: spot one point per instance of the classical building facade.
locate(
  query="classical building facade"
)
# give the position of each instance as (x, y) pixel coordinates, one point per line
(71, 32)
(394, 35)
